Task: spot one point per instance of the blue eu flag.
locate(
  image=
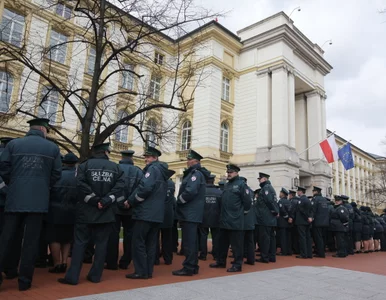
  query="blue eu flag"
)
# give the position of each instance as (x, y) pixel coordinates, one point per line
(345, 155)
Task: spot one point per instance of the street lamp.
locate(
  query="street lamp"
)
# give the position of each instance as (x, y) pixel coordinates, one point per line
(328, 41)
(295, 182)
(296, 8)
(329, 191)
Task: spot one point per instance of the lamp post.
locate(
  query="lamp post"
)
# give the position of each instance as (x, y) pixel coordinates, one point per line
(329, 191)
(296, 8)
(295, 182)
(328, 41)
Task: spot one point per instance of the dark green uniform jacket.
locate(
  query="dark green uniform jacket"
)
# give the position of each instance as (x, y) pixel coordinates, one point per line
(98, 177)
(133, 176)
(321, 211)
(339, 219)
(250, 216)
(170, 206)
(191, 196)
(63, 198)
(351, 215)
(303, 211)
(235, 202)
(357, 225)
(30, 165)
(266, 205)
(284, 213)
(212, 206)
(3, 186)
(149, 198)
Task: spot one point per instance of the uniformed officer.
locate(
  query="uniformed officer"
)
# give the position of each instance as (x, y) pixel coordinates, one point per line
(268, 210)
(100, 185)
(282, 223)
(123, 217)
(3, 187)
(293, 199)
(235, 203)
(339, 225)
(256, 212)
(166, 228)
(303, 220)
(321, 214)
(211, 219)
(28, 163)
(348, 235)
(61, 214)
(249, 231)
(357, 228)
(148, 202)
(190, 211)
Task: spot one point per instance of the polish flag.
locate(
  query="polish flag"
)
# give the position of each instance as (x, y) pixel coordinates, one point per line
(330, 149)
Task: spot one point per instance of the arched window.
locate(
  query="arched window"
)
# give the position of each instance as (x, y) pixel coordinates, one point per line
(122, 131)
(151, 138)
(224, 137)
(186, 135)
(6, 87)
(48, 105)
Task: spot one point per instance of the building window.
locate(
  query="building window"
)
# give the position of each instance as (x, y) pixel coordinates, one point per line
(58, 47)
(186, 136)
(224, 137)
(48, 105)
(159, 58)
(128, 77)
(6, 87)
(226, 87)
(12, 27)
(122, 131)
(151, 138)
(63, 10)
(91, 61)
(155, 87)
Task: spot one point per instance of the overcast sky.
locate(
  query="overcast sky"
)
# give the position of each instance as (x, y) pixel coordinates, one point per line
(356, 87)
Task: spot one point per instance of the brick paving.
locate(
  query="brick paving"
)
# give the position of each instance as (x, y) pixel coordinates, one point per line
(45, 286)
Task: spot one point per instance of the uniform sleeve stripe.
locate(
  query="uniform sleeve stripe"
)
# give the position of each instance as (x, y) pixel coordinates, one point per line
(139, 198)
(246, 211)
(88, 197)
(182, 199)
(112, 198)
(120, 199)
(2, 184)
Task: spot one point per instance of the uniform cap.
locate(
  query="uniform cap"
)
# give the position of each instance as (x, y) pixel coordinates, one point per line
(194, 155)
(327, 198)
(221, 183)
(285, 191)
(4, 140)
(344, 197)
(337, 197)
(100, 147)
(39, 122)
(301, 188)
(232, 168)
(212, 176)
(151, 151)
(310, 197)
(70, 158)
(261, 175)
(127, 153)
(316, 189)
(353, 204)
(292, 192)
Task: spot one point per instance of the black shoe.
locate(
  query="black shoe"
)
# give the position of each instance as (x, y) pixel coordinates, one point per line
(112, 268)
(202, 257)
(24, 286)
(65, 281)
(302, 257)
(281, 254)
(260, 260)
(195, 272)
(183, 272)
(273, 260)
(157, 262)
(217, 265)
(136, 276)
(168, 263)
(91, 280)
(317, 255)
(234, 269)
(249, 263)
(339, 256)
(57, 269)
(123, 266)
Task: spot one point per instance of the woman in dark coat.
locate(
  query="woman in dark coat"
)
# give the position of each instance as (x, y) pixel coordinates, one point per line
(357, 228)
(61, 214)
(365, 229)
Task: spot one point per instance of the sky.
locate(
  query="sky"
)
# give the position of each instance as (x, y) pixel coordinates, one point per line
(356, 87)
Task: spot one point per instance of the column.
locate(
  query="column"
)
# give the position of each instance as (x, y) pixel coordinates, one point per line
(263, 111)
(343, 185)
(323, 112)
(280, 120)
(336, 177)
(291, 110)
(314, 124)
(301, 126)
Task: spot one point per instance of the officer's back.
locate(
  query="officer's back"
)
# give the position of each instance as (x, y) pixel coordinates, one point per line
(321, 211)
(212, 206)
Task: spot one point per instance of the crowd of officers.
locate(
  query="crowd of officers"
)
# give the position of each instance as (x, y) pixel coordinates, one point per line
(79, 208)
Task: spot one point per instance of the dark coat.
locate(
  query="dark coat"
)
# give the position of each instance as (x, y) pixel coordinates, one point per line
(378, 225)
(212, 207)
(266, 205)
(191, 196)
(98, 177)
(357, 222)
(170, 206)
(365, 223)
(30, 166)
(303, 211)
(133, 176)
(63, 198)
(293, 207)
(321, 211)
(235, 202)
(284, 213)
(3, 186)
(250, 216)
(339, 219)
(351, 215)
(149, 198)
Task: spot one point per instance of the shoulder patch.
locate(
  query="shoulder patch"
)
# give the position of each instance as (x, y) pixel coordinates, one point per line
(247, 191)
(299, 201)
(147, 175)
(342, 211)
(194, 178)
(280, 205)
(266, 192)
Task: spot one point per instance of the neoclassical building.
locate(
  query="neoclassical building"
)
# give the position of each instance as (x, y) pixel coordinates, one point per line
(262, 106)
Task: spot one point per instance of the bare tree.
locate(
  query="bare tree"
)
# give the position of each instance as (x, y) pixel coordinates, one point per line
(141, 44)
(377, 186)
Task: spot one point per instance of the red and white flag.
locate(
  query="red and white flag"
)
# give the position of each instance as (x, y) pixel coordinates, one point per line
(330, 149)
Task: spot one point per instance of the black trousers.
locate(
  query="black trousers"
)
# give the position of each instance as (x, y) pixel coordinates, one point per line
(294, 240)
(256, 236)
(43, 245)
(175, 236)
(331, 240)
(285, 240)
(349, 242)
(144, 246)
(341, 249)
(30, 247)
(267, 243)
(166, 237)
(190, 245)
(127, 223)
(203, 233)
(83, 233)
(318, 234)
(249, 245)
(305, 242)
(234, 238)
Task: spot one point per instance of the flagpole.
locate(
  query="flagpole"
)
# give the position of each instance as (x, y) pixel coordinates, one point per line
(314, 163)
(316, 143)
